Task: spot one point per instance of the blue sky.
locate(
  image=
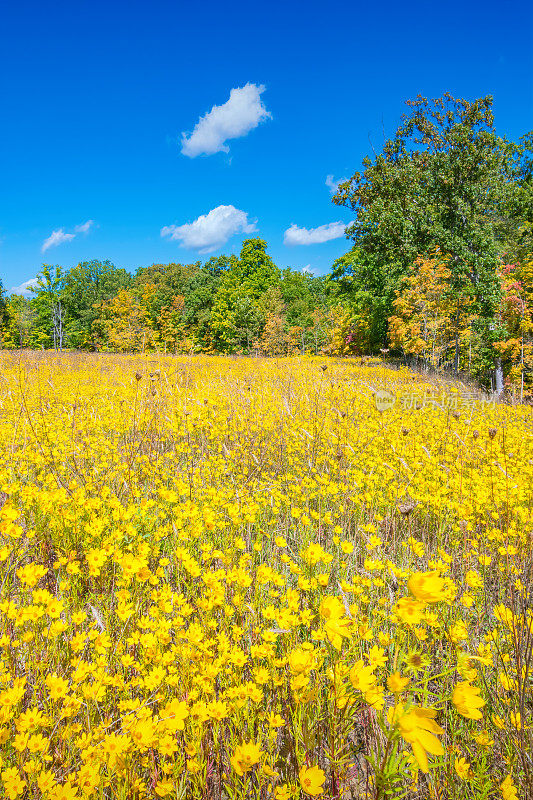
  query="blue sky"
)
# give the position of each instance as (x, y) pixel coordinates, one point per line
(96, 97)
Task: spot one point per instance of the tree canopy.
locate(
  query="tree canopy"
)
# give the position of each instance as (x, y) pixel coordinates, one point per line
(445, 184)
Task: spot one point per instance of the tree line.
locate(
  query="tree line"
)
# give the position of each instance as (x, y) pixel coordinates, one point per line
(440, 270)
(229, 304)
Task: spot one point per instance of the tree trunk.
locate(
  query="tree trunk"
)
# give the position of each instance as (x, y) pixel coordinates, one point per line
(456, 356)
(498, 377)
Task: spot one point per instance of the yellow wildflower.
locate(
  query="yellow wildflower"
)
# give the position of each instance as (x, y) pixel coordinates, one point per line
(312, 780)
(427, 587)
(418, 727)
(245, 757)
(466, 698)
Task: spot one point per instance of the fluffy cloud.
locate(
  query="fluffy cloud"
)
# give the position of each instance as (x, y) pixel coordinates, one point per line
(238, 116)
(55, 238)
(85, 227)
(332, 184)
(24, 288)
(59, 236)
(210, 231)
(324, 233)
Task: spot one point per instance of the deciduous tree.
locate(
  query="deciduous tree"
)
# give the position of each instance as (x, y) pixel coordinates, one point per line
(441, 182)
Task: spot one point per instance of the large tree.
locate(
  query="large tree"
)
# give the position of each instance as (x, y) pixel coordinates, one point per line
(19, 327)
(443, 182)
(49, 307)
(87, 288)
(236, 317)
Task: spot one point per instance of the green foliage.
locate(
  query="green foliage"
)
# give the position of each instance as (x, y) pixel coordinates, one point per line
(302, 293)
(228, 304)
(18, 325)
(49, 308)
(236, 317)
(367, 287)
(446, 182)
(87, 288)
(161, 284)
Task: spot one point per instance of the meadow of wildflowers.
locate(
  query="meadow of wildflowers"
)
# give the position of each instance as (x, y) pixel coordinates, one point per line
(239, 578)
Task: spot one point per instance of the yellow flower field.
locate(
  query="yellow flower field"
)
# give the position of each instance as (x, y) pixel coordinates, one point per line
(239, 578)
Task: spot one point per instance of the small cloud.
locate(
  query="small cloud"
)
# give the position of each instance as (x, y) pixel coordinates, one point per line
(308, 270)
(55, 238)
(85, 227)
(324, 233)
(238, 116)
(25, 288)
(210, 231)
(332, 184)
(59, 236)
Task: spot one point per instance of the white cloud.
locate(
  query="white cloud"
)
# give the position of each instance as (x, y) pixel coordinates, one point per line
(85, 227)
(55, 238)
(324, 233)
(24, 288)
(332, 184)
(59, 236)
(238, 116)
(210, 231)
(309, 270)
